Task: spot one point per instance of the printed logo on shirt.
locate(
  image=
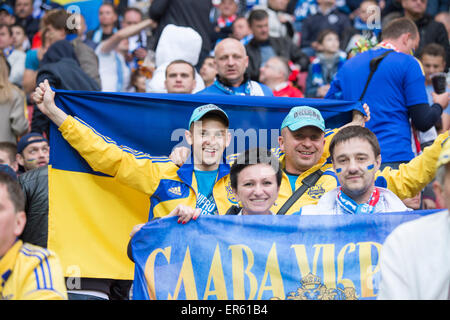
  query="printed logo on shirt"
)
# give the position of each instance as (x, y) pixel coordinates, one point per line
(230, 195)
(207, 205)
(175, 190)
(316, 191)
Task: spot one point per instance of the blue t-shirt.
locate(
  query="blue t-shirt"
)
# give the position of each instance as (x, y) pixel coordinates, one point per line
(398, 83)
(292, 180)
(31, 60)
(205, 184)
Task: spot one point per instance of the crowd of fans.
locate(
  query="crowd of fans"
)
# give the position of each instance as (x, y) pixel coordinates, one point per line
(286, 48)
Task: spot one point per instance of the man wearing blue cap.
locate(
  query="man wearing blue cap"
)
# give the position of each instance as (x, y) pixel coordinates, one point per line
(200, 183)
(33, 151)
(6, 15)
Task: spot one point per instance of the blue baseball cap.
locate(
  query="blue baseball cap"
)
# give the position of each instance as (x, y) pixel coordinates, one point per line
(7, 8)
(28, 139)
(303, 116)
(200, 112)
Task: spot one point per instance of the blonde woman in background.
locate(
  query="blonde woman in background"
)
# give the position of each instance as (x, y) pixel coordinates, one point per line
(13, 122)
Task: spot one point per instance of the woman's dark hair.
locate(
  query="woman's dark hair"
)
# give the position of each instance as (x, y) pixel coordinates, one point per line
(251, 157)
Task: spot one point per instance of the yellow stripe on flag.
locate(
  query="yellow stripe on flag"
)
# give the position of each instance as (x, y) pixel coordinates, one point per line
(90, 219)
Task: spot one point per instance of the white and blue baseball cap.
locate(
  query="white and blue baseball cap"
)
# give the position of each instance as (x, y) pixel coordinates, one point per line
(200, 112)
(303, 116)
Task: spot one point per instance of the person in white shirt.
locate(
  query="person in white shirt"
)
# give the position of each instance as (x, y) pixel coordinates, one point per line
(355, 153)
(114, 72)
(415, 260)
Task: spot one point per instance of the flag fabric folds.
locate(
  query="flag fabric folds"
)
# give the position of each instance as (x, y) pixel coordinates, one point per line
(90, 214)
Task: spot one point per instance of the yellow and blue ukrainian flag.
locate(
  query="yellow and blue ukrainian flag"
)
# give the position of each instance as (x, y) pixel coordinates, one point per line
(91, 214)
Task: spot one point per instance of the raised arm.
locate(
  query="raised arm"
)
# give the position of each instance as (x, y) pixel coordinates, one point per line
(44, 97)
(112, 42)
(130, 167)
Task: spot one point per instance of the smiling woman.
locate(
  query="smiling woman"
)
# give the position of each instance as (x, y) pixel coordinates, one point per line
(255, 180)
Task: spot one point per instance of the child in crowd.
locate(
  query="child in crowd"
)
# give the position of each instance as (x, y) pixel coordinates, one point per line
(433, 59)
(325, 65)
(208, 71)
(20, 40)
(138, 81)
(366, 24)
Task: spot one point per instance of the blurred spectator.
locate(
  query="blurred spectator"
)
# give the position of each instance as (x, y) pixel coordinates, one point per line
(8, 151)
(275, 74)
(137, 44)
(231, 62)
(366, 25)
(444, 18)
(28, 272)
(108, 24)
(324, 67)
(303, 9)
(392, 100)
(46, 9)
(180, 77)
(113, 70)
(33, 151)
(280, 22)
(62, 25)
(7, 14)
(142, 5)
(327, 17)
(13, 121)
(175, 43)
(16, 58)
(208, 71)
(20, 40)
(241, 31)
(32, 60)
(263, 46)
(430, 30)
(82, 31)
(23, 10)
(432, 58)
(184, 13)
(138, 81)
(222, 25)
(61, 68)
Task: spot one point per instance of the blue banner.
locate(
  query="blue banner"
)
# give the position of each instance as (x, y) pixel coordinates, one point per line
(155, 123)
(263, 257)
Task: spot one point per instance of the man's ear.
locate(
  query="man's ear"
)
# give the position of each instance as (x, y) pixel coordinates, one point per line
(188, 136)
(228, 139)
(378, 163)
(20, 160)
(20, 222)
(281, 142)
